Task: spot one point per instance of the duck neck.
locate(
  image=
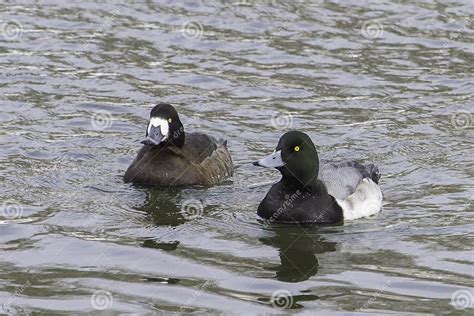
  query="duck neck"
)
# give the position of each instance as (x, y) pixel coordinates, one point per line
(177, 136)
(306, 181)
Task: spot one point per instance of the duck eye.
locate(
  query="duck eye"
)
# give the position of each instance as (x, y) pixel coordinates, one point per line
(297, 148)
(170, 120)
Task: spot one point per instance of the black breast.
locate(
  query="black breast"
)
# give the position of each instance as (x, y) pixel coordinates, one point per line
(287, 203)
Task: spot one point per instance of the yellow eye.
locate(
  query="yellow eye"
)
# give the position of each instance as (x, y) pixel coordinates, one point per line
(297, 148)
(170, 120)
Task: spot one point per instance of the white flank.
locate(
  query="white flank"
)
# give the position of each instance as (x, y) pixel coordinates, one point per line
(364, 202)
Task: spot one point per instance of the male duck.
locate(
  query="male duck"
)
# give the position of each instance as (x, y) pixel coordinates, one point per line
(307, 193)
(170, 157)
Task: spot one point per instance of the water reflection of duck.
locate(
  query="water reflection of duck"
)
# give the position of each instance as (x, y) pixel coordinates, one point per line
(297, 249)
(161, 207)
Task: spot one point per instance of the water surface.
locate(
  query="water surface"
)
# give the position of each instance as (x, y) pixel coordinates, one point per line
(388, 82)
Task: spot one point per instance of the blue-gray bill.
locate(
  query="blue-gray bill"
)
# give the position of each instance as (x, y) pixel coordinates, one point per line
(154, 137)
(271, 161)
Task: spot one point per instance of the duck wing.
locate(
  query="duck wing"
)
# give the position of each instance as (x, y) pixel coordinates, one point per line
(197, 147)
(209, 157)
(342, 179)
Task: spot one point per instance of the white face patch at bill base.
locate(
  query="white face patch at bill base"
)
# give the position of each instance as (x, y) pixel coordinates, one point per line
(161, 123)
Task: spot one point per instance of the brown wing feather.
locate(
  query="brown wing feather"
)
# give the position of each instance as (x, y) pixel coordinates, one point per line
(200, 161)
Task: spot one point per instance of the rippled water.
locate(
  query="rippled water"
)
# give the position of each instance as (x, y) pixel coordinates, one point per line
(389, 82)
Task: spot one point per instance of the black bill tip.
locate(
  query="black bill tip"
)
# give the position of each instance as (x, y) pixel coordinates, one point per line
(149, 141)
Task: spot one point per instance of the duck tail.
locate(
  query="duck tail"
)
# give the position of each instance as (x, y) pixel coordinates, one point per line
(374, 172)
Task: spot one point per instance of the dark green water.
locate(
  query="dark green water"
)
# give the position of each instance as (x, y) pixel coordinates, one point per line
(389, 82)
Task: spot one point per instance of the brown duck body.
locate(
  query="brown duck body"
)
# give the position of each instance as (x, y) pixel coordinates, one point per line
(201, 160)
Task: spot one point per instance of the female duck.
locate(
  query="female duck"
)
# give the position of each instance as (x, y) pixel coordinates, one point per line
(169, 157)
(309, 194)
